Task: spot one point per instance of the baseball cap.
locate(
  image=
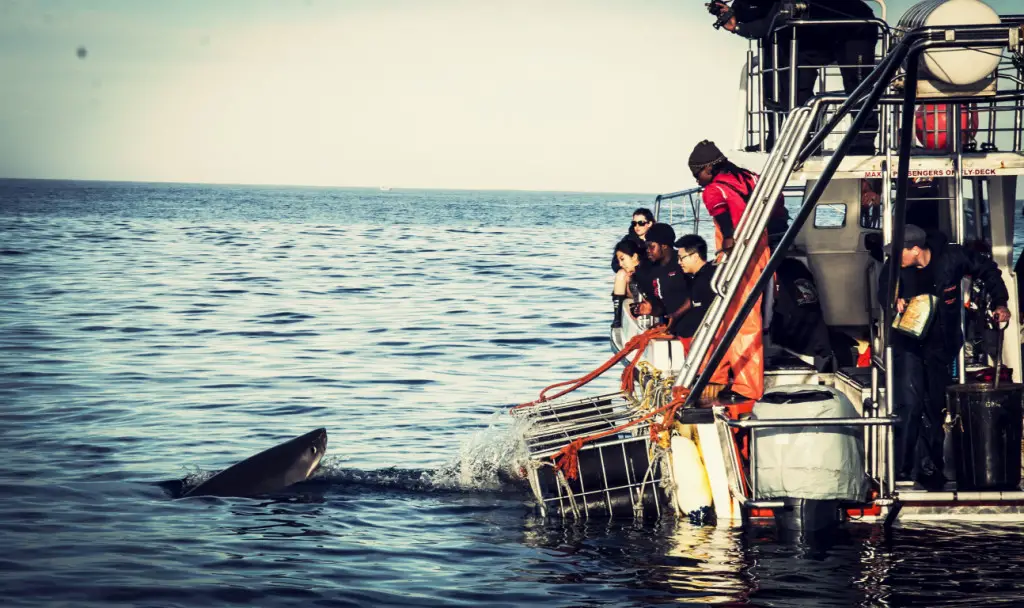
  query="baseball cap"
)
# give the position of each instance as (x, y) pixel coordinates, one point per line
(913, 236)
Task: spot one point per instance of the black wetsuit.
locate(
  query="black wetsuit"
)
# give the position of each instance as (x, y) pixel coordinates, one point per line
(701, 295)
(667, 287)
(797, 319)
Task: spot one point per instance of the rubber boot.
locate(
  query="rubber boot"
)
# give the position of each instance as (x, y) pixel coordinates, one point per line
(617, 302)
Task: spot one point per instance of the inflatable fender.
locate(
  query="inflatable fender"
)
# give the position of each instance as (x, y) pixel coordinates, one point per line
(693, 490)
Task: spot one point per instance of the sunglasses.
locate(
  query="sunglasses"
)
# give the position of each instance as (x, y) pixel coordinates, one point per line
(641, 223)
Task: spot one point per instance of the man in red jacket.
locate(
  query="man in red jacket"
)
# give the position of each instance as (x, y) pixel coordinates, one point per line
(726, 190)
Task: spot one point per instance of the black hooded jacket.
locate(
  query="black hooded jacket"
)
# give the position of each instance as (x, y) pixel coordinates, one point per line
(941, 278)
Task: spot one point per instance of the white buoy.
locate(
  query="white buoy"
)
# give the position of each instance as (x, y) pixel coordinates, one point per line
(693, 491)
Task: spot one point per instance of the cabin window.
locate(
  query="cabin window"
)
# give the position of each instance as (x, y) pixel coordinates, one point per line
(830, 216)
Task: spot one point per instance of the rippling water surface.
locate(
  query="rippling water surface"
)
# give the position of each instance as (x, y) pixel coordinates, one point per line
(153, 334)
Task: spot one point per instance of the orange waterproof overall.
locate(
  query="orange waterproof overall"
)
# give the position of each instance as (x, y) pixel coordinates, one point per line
(745, 356)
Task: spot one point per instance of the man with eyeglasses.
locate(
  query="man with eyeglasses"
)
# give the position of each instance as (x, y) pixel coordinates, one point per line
(693, 256)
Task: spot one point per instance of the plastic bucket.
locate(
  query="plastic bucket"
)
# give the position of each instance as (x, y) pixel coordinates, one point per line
(986, 435)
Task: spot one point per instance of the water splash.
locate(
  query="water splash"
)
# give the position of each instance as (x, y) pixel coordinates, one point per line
(490, 460)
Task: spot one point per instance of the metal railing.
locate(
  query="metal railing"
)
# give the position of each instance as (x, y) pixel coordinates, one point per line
(691, 196)
(616, 475)
(990, 122)
(766, 111)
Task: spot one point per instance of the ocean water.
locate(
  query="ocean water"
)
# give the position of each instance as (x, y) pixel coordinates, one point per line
(152, 334)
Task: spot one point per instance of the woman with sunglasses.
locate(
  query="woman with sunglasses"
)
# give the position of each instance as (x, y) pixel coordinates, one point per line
(643, 219)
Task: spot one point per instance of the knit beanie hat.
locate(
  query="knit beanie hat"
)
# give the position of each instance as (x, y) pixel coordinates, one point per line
(705, 153)
(662, 234)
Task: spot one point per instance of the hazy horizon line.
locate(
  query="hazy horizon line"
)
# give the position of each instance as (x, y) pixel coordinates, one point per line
(316, 186)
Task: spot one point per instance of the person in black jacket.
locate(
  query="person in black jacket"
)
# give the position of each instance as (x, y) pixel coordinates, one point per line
(665, 284)
(633, 268)
(693, 259)
(643, 219)
(798, 322)
(851, 46)
(923, 366)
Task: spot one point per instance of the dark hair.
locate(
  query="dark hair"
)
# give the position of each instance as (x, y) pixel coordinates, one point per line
(727, 166)
(692, 243)
(629, 247)
(644, 211)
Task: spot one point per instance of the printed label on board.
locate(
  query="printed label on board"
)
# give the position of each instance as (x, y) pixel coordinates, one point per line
(938, 173)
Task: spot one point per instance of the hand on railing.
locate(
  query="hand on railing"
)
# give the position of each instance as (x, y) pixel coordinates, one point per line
(725, 250)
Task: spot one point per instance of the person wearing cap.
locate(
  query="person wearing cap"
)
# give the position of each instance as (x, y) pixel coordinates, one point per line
(923, 366)
(726, 190)
(665, 284)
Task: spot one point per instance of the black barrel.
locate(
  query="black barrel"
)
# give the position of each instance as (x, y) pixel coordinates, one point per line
(986, 434)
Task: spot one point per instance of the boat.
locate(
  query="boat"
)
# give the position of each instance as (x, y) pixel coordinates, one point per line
(817, 451)
(385, 188)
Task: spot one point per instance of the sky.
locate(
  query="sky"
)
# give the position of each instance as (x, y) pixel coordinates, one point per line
(580, 95)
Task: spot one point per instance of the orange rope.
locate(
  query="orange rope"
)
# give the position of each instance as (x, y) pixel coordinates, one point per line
(638, 343)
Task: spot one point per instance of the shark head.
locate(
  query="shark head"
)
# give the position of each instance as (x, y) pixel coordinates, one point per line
(269, 471)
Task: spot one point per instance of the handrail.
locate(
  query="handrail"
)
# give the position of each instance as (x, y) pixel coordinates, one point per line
(789, 422)
(881, 3)
(881, 23)
(981, 35)
(793, 67)
(690, 192)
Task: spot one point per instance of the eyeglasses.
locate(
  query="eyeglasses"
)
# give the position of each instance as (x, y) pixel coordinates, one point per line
(641, 223)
